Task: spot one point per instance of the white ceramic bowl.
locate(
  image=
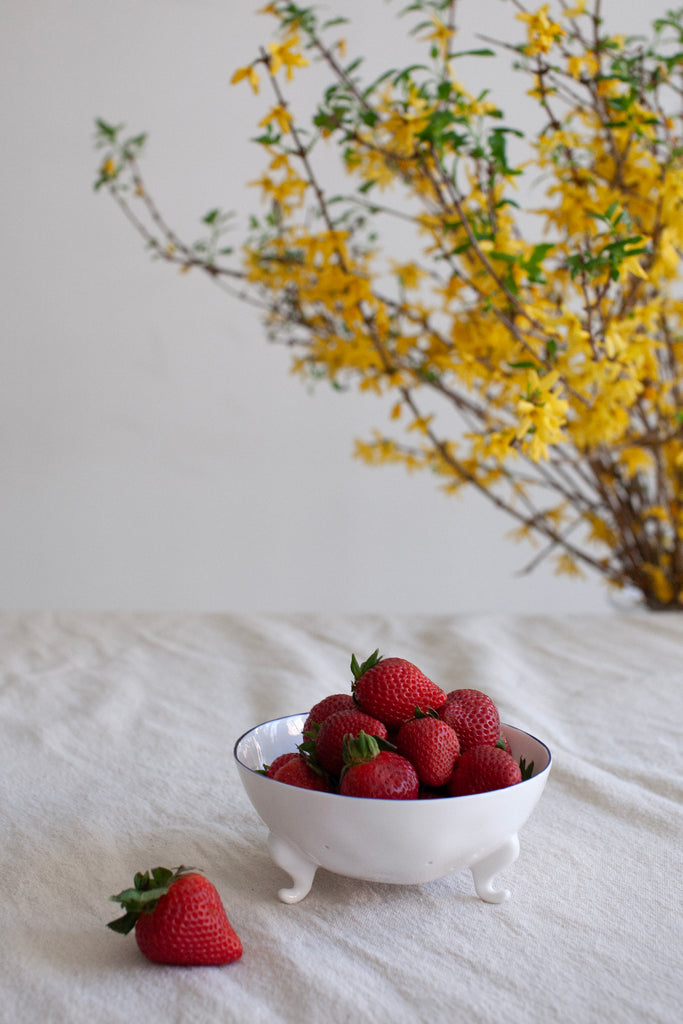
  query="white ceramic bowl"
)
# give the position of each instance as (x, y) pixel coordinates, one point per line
(400, 841)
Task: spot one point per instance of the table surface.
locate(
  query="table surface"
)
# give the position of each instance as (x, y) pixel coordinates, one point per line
(116, 742)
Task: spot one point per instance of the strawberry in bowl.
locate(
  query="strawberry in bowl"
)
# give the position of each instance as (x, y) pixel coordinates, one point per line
(410, 779)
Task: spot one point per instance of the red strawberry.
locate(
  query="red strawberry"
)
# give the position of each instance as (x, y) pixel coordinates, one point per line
(329, 740)
(300, 771)
(431, 746)
(483, 768)
(271, 769)
(391, 688)
(430, 794)
(474, 717)
(326, 707)
(178, 918)
(377, 774)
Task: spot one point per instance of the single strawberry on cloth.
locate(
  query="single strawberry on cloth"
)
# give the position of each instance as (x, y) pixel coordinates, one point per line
(178, 917)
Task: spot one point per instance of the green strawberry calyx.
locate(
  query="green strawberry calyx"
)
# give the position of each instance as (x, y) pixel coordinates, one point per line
(358, 669)
(427, 713)
(527, 770)
(307, 751)
(148, 888)
(307, 747)
(362, 748)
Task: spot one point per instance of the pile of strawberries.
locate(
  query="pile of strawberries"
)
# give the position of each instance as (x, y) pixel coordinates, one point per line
(399, 736)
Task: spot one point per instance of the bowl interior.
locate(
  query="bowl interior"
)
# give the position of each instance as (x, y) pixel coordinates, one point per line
(262, 744)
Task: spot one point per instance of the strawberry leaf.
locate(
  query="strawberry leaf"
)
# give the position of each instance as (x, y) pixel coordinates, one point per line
(124, 924)
(307, 748)
(358, 670)
(307, 751)
(527, 770)
(427, 713)
(163, 876)
(144, 896)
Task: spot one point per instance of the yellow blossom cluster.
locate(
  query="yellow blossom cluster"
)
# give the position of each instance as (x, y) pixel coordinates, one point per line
(524, 362)
(549, 347)
(285, 53)
(543, 33)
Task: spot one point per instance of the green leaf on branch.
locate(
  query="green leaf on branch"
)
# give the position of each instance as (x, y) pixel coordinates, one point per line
(406, 74)
(108, 132)
(474, 53)
(526, 364)
(498, 149)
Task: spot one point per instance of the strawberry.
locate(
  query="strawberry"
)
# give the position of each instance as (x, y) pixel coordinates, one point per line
(391, 688)
(178, 918)
(431, 794)
(302, 772)
(376, 774)
(474, 717)
(431, 746)
(329, 740)
(326, 707)
(270, 770)
(483, 768)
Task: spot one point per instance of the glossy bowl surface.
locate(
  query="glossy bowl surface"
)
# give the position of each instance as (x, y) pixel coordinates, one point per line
(395, 841)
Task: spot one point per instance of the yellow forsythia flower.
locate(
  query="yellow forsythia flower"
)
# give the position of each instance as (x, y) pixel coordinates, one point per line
(578, 9)
(286, 55)
(585, 63)
(566, 565)
(281, 116)
(410, 275)
(248, 72)
(441, 34)
(662, 588)
(542, 32)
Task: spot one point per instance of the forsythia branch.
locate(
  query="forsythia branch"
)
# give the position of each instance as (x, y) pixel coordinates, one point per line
(524, 362)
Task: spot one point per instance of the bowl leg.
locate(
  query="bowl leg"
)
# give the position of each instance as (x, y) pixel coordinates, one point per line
(483, 871)
(301, 869)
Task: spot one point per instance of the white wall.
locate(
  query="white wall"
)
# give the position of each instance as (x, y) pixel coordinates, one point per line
(154, 451)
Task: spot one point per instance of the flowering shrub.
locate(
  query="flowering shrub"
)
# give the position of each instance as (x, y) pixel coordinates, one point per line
(539, 364)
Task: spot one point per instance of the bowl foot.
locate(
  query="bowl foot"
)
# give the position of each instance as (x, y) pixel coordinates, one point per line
(483, 871)
(301, 870)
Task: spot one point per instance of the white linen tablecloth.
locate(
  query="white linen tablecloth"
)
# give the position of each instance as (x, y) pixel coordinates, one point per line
(116, 742)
